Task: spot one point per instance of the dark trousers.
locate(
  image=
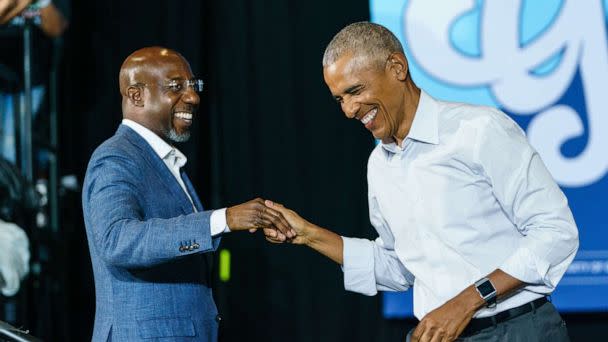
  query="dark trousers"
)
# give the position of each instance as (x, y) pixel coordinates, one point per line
(544, 324)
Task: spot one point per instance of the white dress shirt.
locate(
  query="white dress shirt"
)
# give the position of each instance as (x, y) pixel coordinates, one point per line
(465, 195)
(175, 159)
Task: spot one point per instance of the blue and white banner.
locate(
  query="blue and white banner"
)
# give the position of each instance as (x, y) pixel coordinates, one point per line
(545, 63)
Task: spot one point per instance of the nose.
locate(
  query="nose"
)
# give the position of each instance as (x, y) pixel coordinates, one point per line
(191, 96)
(350, 108)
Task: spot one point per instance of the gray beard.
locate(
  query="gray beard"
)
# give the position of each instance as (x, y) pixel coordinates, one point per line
(175, 137)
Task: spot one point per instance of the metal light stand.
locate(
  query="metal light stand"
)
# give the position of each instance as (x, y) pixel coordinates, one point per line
(10, 333)
(46, 280)
(25, 117)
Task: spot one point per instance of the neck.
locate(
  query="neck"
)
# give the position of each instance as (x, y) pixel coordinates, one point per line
(411, 97)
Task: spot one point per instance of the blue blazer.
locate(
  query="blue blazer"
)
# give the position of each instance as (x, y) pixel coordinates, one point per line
(148, 248)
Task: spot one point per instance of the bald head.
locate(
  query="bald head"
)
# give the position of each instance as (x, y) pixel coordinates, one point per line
(139, 66)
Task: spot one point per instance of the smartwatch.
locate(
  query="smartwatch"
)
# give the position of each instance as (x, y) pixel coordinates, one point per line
(487, 291)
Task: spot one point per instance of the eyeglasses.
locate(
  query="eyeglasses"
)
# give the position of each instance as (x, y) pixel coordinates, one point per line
(179, 86)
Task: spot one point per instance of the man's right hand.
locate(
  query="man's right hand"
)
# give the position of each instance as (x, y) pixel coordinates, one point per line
(255, 215)
(301, 227)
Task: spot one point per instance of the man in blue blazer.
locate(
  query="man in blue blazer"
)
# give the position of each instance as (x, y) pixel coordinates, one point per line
(149, 237)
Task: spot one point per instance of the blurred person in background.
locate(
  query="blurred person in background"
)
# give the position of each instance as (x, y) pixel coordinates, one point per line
(50, 22)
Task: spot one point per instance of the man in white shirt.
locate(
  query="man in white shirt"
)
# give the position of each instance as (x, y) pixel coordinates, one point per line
(149, 236)
(465, 210)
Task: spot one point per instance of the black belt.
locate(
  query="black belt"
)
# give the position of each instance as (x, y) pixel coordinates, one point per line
(478, 324)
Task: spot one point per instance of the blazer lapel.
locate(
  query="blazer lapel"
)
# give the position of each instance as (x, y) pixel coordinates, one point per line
(159, 166)
(195, 199)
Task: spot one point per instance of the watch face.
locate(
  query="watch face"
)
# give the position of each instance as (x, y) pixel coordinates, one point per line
(485, 288)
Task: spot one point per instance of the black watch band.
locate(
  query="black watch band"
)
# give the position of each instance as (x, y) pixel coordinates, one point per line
(487, 291)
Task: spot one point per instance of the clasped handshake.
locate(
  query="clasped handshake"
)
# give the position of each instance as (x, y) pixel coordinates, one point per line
(278, 223)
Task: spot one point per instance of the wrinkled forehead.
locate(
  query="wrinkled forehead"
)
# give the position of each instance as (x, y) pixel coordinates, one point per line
(166, 68)
(147, 68)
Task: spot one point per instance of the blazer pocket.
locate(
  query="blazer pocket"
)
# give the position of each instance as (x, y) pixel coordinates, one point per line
(166, 327)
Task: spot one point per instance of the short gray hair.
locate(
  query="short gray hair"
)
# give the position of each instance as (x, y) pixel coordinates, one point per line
(362, 39)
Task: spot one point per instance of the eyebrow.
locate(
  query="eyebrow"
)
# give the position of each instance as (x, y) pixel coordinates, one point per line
(176, 78)
(350, 90)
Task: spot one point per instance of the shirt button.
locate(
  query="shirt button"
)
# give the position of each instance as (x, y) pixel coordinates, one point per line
(218, 318)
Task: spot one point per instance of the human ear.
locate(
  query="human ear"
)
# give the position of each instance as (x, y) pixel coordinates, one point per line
(397, 63)
(134, 95)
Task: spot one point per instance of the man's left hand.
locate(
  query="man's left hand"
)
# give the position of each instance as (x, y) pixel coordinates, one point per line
(255, 215)
(448, 321)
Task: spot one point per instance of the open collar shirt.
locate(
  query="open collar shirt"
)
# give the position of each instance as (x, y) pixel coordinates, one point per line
(463, 196)
(175, 160)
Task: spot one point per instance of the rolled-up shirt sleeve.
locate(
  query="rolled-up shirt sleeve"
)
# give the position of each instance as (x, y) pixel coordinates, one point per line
(534, 203)
(369, 267)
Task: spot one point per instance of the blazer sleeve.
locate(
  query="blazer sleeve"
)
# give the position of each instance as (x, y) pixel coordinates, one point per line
(113, 211)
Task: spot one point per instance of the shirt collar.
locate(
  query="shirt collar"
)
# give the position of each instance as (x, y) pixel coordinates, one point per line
(161, 147)
(425, 125)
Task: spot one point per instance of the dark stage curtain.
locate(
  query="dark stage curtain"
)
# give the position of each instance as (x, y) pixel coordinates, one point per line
(277, 133)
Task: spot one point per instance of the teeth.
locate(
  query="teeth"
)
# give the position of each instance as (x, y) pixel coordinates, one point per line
(369, 116)
(184, 115)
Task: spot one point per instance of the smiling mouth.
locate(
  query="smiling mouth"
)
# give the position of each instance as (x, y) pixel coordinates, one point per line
(185, 116)
(367, 118)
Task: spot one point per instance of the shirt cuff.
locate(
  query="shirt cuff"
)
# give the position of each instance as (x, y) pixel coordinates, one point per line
(218, 222)
(358, 257)
(527, 267)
